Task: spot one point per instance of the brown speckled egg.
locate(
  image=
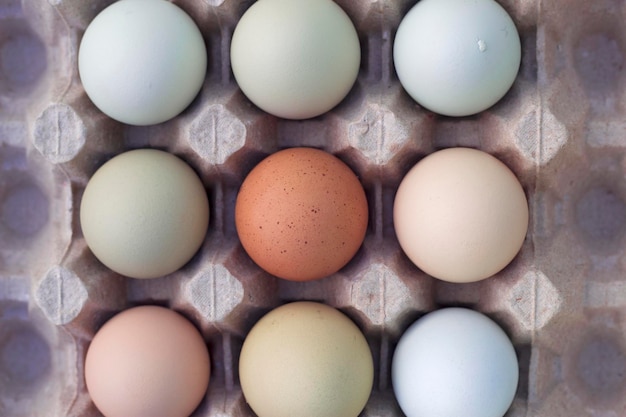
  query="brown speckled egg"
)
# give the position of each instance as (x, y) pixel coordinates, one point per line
(301, 214)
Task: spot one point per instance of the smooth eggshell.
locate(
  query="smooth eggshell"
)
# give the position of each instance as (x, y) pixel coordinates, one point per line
(460, 215)
(147, 361)
(142, 62)
(144, 213)
(301, 214)
(454, 362)
(295, 59)
(457, 57)
(306, 359)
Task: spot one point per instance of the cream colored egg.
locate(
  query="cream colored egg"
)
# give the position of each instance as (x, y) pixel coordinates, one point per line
(460, 215)
(147, 362)
(306, 359)
(295, 59)
(144, 213)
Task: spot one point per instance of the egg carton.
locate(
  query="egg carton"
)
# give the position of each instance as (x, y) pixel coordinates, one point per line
(561, 129)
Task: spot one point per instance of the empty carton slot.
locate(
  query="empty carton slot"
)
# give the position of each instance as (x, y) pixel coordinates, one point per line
(22, 57)
(598, 366)
(25, 359)
(601, 216)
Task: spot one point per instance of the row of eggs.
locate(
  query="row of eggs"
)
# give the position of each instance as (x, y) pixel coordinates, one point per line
(301, 214)
(303, 359)
(142, 62)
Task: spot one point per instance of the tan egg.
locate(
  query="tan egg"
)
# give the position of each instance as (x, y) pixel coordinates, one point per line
(301, 214)
(147, 361)
(460, 215)
(306, 359)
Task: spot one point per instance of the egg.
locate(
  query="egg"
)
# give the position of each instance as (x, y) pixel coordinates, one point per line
(460, 215)
(142, 62)
(457, 57)
(147, 361)
(454, 362)
(301, 214)
(295, 59)
(306, 359)
(144, 213)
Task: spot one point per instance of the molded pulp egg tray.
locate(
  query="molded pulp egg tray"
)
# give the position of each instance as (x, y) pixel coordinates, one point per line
(561, 129)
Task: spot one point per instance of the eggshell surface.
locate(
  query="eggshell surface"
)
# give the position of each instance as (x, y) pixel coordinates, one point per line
(306, 359)
(295, 59)
(301, 214)
(457, 57)
(454, 362)
(460, 215)
(144, 213)
(147, 361)
(142, 62)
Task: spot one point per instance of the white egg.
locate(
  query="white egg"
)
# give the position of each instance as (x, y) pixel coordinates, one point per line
(295, 59)
(455, 362)
(142, 62)
(457, 57)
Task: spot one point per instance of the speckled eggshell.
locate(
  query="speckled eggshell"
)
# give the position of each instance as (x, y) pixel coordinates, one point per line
(301, 214)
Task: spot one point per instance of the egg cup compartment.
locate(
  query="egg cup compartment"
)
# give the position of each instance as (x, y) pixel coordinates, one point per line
(560, 130)
(25, 359)
(23, 57)
(578, 355)
(34, 221)
(37, 359)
